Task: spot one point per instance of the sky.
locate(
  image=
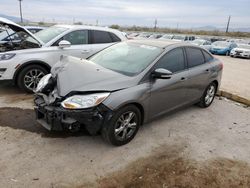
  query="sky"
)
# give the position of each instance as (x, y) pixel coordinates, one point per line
(169, 13)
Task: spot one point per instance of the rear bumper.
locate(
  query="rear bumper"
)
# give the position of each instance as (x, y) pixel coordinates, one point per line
(58, 119)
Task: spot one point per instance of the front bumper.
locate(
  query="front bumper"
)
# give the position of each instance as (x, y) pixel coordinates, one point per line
(239, 54)
(56, 118)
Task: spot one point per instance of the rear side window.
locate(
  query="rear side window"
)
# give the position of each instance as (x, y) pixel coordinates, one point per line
(207, 56)
(114, 37)
(172, 61)
(100, 37)
(194, 57)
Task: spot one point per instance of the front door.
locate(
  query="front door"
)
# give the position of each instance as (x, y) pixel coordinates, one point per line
(168, 94)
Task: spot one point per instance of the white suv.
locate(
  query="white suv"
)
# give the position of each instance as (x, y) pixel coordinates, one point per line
(27, 58)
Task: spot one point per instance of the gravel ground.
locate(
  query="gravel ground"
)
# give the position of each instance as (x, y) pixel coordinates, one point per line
(193, 143)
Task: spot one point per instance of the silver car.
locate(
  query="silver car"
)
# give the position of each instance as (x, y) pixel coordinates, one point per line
(125, 85)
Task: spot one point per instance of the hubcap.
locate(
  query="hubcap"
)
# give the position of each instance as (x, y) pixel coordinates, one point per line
(32, 78)
(125, 126)
(210, 95)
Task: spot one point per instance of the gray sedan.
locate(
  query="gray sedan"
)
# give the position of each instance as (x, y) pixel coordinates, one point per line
(125, 85)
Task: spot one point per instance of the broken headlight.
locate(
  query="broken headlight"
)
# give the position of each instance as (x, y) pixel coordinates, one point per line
(84, 101)
(43, 82)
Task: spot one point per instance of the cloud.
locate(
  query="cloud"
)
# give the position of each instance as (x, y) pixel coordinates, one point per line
(190, 13)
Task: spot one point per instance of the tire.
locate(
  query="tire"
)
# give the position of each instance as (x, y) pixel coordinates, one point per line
(26, 74)
(115, 124)
(204, 102)
(227, 53)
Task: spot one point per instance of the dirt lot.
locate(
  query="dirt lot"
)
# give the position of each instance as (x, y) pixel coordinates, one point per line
(191, 148)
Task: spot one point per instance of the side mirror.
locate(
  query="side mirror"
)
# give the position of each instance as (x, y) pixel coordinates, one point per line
(64, 44)
(162, 73)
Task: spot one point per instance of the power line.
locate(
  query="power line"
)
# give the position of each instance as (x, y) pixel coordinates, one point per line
(228, 22)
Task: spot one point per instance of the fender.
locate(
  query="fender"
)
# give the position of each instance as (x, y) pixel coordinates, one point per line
(35, 62)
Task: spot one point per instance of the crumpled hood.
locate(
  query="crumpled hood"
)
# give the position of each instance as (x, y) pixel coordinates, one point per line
(74, 74)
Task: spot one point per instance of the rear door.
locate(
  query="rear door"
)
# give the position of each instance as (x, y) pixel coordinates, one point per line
(199, 72)
(101, 39)
(168, 94)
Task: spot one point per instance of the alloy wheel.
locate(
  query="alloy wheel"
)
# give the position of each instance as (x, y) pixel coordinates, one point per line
(210, 94)
(32, 78)
(126, 125)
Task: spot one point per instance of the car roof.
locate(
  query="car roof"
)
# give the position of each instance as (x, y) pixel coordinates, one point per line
(164, 43)
(86, 27)
(154, 42)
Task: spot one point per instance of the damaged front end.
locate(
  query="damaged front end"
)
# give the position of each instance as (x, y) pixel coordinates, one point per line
(57, 113)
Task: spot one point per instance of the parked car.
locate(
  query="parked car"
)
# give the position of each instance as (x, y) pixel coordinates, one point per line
(124, 86)
(27, 60)
(34, 29)
(166, 37)
(202, 43)
(222, 47)
(183, 38)
(155, 36)
(143, 36)
(243, 50)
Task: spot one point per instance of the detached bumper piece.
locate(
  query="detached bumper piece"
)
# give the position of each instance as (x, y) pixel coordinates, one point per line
(56, 118)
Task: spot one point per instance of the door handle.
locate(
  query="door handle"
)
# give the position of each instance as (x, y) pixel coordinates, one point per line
(85, 51)
(207, 71)
(183, 79)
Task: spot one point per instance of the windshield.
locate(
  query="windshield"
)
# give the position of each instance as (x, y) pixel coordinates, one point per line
(221, 43)
(244, 46)
(48, 34)
(127, 58)
(198, 42)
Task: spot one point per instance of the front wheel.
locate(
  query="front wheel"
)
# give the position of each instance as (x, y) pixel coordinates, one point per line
(208, 96)
(123, 126)
(29, 77)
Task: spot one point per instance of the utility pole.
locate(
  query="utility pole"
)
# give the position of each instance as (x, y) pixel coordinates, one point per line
(155, 23)
(228, 22)
(20, 7)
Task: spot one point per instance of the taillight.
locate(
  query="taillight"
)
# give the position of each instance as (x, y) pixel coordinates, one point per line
(221, 65)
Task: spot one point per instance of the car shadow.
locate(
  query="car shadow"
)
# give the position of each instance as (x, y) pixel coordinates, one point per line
(24, 119)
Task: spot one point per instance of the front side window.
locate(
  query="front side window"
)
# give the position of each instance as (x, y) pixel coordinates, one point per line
(77, 37)
(99, 37)
(127, 58)
(194, 57)
(173, 61)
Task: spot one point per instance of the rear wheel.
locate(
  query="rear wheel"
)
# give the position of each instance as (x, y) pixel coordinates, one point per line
(29, 77)
(123, 126)
(208, 96)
